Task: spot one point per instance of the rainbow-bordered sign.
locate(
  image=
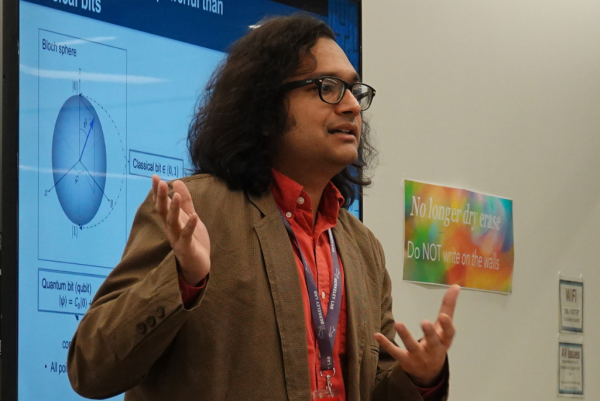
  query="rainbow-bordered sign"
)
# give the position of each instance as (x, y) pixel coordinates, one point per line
(455, 236)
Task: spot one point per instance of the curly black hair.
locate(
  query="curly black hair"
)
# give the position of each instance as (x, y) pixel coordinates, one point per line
(243, 111)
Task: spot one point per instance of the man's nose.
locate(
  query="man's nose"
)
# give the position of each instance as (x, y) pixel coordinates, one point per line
(349, 103)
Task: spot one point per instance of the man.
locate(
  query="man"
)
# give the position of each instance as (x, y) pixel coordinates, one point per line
(247, 280)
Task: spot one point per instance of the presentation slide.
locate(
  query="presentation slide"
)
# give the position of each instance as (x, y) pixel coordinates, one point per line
(107, 90)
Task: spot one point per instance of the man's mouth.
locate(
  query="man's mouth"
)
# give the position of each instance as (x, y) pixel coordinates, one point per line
(342, 131)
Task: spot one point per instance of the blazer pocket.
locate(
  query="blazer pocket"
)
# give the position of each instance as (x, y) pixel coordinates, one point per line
(374, 358)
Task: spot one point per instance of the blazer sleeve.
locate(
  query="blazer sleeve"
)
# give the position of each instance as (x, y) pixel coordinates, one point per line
(135, 315)
(391, 382)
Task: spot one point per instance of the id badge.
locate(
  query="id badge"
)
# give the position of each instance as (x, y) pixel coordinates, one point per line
(325, 395)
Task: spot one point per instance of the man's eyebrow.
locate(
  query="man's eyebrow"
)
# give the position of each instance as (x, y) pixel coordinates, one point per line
(355, 77)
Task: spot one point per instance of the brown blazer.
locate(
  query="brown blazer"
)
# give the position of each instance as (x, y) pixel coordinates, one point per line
(244, 338)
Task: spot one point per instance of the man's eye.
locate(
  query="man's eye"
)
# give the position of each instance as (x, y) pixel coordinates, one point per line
(327, 88)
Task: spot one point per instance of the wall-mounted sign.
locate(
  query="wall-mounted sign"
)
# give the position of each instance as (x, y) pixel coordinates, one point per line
(455, 236)
(571, 305)
(570, 369)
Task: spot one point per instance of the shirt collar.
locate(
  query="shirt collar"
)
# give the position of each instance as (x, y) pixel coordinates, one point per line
(287, 193)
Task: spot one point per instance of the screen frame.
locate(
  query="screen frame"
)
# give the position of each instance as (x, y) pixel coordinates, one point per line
(9, 245)
(360, 72)
(10, 198)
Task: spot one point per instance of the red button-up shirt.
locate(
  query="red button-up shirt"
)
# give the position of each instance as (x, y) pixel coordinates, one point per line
(314, 242)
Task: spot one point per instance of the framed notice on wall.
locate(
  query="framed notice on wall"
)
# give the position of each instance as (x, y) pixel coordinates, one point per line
(571, 305)
(456, 236)
(570, 369)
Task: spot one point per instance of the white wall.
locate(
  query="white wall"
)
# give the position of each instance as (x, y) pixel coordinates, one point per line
(501, 97)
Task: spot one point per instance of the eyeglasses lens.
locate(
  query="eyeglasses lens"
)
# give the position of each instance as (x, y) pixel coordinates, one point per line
(363, 95)
(332, 90)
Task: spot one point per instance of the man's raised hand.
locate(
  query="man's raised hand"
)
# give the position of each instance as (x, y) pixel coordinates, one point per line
(424, 360)
(186, 233)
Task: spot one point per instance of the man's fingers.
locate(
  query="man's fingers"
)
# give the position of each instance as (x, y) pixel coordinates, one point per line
(162, 202)
(188, 229)
(409, 342)
(155, 181)
(448, 329)
(186, 199)
(173, 224)
(396, 352)
(431, 335)
(449, 301)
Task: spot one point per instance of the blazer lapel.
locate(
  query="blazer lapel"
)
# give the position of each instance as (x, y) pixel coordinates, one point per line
(355, 300)
(286, 292)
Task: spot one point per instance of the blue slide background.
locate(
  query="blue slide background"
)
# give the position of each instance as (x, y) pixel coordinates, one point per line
(143, 84)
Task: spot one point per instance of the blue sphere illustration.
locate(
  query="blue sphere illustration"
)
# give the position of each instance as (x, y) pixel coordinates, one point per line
(79, 160)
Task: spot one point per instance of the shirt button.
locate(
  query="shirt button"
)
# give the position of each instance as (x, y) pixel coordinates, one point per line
(323, 295)
(150, 321)
(288, 215)
(141, 328)
(300, 200)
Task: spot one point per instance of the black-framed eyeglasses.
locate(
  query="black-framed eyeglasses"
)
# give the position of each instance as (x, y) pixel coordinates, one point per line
(332, 90)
